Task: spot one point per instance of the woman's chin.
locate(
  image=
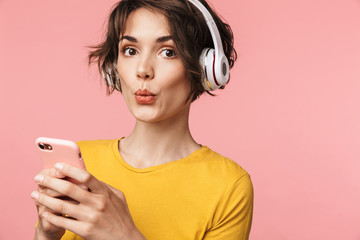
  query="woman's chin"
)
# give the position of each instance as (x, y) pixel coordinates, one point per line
(146, 117)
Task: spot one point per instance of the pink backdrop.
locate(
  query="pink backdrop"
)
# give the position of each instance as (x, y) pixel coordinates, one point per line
(290, 115)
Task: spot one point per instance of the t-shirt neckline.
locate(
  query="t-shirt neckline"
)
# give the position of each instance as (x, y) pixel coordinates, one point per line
(115, 149)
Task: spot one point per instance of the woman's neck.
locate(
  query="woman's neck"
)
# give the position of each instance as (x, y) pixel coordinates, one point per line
(157, 143)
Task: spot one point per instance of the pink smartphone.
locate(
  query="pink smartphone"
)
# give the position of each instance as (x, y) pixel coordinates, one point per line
(52, 150)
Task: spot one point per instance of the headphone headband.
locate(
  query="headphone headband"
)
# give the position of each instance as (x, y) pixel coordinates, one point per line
(211, 25)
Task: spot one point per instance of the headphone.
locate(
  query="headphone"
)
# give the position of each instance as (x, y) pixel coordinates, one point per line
(214, 63)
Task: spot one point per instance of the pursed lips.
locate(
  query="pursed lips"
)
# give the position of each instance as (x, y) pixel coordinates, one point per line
(144, 96)
(143, 92)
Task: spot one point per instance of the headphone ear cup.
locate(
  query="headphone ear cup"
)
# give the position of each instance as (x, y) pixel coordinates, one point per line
(207, 58)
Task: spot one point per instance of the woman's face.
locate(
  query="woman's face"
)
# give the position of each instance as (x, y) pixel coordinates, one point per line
(152, 76)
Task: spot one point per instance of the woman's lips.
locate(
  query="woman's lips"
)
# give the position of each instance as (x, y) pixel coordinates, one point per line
(144, 96)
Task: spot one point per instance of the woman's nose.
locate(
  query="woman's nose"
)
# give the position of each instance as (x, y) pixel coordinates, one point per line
(145, 69)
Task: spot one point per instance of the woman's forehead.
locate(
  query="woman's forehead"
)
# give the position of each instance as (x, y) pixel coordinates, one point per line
(146, 22)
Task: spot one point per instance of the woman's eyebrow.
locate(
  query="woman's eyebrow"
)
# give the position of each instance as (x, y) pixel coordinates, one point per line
(164, 39)
(131, 39)
(158, 40)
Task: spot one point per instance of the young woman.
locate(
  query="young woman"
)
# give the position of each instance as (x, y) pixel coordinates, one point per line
(158, 182)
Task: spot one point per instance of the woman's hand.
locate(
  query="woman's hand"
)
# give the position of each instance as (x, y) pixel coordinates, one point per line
(100, 213)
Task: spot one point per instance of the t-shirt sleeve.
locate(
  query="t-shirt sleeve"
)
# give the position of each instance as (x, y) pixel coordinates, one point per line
(232, 219)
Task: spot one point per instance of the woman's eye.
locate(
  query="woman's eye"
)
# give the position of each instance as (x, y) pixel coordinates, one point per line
(168, 53)
(129, 51)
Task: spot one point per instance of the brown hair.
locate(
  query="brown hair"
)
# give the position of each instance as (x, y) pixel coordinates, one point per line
(188, 28)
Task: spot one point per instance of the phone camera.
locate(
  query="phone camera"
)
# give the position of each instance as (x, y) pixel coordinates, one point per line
(46, 147)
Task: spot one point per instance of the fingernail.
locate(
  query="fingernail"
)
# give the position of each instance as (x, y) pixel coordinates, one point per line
(34, 195)
(39, 178)
(59, 166)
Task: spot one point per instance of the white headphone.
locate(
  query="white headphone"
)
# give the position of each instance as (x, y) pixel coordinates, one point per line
(214, 63)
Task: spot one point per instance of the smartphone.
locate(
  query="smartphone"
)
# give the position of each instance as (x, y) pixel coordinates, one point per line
(52, 150)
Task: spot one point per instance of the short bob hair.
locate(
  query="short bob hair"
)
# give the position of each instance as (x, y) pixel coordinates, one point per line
(188, 28)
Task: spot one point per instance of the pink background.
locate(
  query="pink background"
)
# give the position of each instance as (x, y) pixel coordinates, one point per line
(290, 115)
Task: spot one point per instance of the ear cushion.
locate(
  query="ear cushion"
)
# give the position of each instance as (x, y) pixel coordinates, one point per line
(207, 59)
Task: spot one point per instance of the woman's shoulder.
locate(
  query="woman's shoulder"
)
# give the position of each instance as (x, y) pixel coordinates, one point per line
(219, 167)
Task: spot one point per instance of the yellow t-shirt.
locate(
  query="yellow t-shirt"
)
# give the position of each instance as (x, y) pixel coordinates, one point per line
(202, 196)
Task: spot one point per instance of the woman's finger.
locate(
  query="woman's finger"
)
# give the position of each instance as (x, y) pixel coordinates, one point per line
(59, 206)
(81, 176)
(70, 224)
(51, 172)
(64, 187)
(48, 191)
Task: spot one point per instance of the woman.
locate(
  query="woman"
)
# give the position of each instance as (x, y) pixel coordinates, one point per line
(156, 183)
